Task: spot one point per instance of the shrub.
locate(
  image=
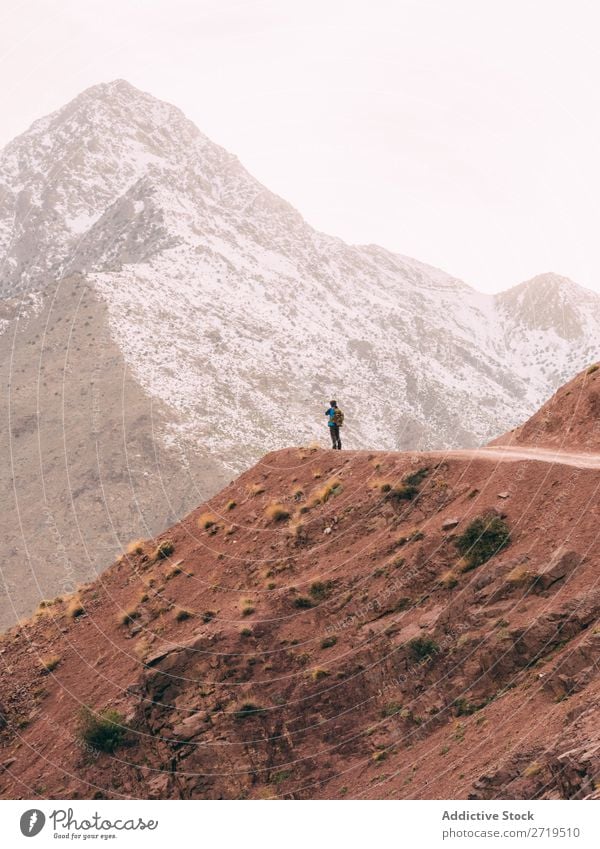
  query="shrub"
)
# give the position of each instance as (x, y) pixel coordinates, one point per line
(297, 529)
(279, 777)
(277, 513)
(416, 478)
(391, 709)
(593, 368)
(129, 615)
(381, 484)
(534, 767)
(449, 580)
(165, 549)
(324, 493)
(483, 538)
(464, 707)
(50, 662)
(521, 575)
(423, 648)
(174, 571)
(208, 615)
(206, 521)
(403, 492)
(181, 614)
(248, 608)
(255, 489)
(302, 601)
(328, 642)
(104, 731)
(246, 632)
(247, 710)
(75, 608)
(231, 505)
(320, 590)
(318, 674)
(135, 547)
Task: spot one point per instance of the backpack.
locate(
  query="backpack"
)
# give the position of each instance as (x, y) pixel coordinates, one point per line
(338, 417)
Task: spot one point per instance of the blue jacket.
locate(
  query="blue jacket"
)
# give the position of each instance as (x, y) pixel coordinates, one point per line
(331, 413)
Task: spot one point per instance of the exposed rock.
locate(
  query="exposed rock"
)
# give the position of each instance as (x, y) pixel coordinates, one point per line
(562, 563)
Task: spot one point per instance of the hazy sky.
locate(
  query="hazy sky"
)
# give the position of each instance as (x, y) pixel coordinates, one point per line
(465, 133)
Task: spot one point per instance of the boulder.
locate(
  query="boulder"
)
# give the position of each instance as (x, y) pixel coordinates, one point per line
(561, 564)
(448, 524)
(191, 726)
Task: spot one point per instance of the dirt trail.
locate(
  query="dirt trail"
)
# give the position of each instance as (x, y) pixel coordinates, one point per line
(581, 460)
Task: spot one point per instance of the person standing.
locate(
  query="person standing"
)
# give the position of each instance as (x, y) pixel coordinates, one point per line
(336, 420)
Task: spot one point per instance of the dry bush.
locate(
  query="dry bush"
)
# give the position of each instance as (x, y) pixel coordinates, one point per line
(206, 521)
(277, 513)
(75, 607)
(521, 575)
(127, 616)
(318, 674)
(324, 493)
(136, 546)
(449, 579)
(247, 607)
(50, 662)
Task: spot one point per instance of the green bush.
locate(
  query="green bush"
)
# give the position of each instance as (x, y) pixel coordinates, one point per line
(391, 709)
(328, 642)
(482, 539)
(104, 731)
(303, 602)
(423, 648)
(248, 709)
(416, 478)
(320, 590)
(403, 492)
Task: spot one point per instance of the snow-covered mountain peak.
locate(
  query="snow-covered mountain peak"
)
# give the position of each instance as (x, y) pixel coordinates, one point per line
(256, 309)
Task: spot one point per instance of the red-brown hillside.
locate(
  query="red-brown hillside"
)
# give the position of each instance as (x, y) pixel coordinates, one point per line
(570, 420)
(316, 630)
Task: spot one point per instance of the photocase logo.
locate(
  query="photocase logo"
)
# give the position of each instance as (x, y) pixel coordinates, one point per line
(32, 822)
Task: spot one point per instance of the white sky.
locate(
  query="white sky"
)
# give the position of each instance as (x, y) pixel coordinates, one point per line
(465, 133)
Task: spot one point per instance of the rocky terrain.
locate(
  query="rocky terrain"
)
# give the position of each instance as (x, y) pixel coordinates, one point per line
(166, 320)
(571, 417)
(331, 625)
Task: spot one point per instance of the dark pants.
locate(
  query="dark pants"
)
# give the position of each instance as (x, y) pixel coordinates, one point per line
(334, 431)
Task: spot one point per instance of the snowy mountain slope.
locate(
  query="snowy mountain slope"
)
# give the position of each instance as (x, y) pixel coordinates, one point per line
(227, 305)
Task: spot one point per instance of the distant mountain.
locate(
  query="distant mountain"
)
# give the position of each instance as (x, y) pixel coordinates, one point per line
(235, 318)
